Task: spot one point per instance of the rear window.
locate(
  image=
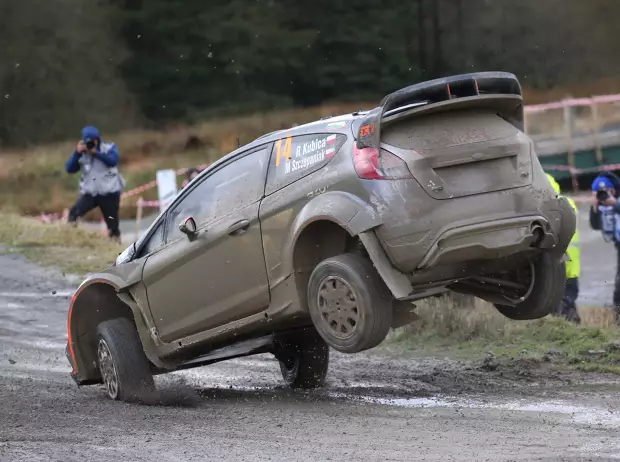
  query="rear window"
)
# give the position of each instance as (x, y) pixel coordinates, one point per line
(294, 157)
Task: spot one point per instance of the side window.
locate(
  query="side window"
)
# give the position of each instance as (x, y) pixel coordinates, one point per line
(297, 156)
(233, 186)
(155, 242)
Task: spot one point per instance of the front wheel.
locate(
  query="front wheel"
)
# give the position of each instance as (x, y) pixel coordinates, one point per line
(545, 280)
(124, 368)
(349, 303)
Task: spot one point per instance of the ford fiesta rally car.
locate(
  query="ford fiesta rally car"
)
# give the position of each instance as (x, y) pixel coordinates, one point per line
(324, 234)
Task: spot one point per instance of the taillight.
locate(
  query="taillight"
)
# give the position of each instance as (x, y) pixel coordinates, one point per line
(372, 164)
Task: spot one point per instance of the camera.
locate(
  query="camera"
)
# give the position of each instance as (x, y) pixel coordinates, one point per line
(90, 144)
(602, 195)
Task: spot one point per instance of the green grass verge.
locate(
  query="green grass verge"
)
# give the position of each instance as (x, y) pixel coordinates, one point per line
(72, 250)
(475, 330)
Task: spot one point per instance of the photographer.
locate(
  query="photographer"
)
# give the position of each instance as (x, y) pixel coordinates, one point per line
(101, 183)
(605, 217)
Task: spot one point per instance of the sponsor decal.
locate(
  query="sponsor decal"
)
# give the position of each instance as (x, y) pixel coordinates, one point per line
(283, 150)
(310, 147)
(300, 155)
(305, 162)
(336, 125)
(331, 146)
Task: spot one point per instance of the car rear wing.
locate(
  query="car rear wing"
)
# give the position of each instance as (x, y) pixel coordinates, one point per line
(500, 91)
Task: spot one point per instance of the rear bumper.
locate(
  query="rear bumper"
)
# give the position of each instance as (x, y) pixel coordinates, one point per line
(490, 240)
(477, 229)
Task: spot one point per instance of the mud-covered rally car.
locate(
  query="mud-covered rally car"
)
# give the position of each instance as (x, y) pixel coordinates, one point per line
(324, 234)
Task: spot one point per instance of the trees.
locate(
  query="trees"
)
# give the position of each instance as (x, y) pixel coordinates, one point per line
(59, 71)
(180, 60)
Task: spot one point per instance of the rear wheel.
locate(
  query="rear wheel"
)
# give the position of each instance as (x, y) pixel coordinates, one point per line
(304, 361)
(543, 287)
(349, 303)
(122, 363)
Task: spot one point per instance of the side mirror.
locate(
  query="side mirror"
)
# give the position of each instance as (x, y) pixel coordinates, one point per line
(188, 227)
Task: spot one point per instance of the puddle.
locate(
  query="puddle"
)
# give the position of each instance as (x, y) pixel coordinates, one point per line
(579, 414)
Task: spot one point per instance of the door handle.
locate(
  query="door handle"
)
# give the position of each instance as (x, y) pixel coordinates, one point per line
(239, 227)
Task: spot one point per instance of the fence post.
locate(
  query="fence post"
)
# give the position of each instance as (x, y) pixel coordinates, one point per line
(568, 132)
(526, 121)
(138, 216)
(596, 130)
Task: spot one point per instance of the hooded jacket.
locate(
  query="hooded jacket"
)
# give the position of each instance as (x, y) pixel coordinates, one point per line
(100, 175)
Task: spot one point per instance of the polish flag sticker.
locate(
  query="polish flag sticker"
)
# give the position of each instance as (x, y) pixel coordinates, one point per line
(331, 146)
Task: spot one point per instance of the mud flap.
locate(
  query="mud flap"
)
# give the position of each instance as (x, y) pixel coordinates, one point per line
(403, 313)
(396, 281)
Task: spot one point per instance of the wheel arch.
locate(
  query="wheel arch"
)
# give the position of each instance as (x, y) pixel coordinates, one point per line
(338, 210)
(333, 223)
(95, 301)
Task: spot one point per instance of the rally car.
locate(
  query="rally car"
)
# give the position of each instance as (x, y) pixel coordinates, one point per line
(323, 235)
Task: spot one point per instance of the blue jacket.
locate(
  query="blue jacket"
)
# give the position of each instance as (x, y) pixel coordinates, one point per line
(100, 175)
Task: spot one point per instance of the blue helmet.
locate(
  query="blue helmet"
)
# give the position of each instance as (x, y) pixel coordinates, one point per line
(602, 182)
(90, 133)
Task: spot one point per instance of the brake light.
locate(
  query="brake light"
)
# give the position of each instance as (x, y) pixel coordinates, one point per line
(372, 164)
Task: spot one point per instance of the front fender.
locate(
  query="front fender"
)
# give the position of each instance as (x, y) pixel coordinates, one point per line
(100, 297)
(84, 370)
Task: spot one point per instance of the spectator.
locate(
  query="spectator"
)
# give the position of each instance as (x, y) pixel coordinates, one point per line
(605, 217)
(101, 183)
(191, 174)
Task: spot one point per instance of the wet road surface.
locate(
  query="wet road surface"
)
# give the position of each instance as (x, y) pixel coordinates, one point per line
(376, 406)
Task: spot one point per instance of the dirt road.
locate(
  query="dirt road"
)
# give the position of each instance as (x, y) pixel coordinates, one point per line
(376, 406)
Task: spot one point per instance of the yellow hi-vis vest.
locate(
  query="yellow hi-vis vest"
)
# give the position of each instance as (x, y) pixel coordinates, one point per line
(573, 267)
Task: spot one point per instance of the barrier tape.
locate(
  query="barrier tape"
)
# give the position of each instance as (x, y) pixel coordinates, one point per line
(51, 217)
(152, 184)
(572, 102)
(148, 203)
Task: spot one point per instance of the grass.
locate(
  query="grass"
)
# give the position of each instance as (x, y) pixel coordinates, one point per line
(72, 250)
(471, 328)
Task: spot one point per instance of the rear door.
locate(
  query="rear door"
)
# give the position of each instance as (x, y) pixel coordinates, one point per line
(219, 277)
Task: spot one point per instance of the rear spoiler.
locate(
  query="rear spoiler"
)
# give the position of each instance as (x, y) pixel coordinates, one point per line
(444, 91)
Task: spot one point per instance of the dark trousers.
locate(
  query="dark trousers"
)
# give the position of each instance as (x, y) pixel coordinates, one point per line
(568, 305)
(108, 204)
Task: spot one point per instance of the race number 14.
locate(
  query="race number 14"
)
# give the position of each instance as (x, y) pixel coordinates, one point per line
(284, 151)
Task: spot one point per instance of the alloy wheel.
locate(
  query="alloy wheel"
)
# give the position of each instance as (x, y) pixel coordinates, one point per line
(108, 370)
(337, 303)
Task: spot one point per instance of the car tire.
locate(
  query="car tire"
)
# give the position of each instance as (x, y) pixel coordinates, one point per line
(350, 305)
(545, 293)
(305, 361)
(124, 368)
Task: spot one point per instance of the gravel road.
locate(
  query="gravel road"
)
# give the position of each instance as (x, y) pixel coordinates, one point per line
(377, 406)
